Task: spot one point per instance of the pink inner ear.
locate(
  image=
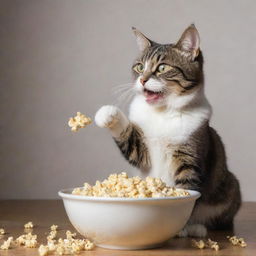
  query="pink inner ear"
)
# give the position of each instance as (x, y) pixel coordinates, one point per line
(190, 42)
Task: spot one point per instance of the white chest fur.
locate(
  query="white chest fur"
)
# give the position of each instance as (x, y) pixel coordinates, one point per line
(162, 128)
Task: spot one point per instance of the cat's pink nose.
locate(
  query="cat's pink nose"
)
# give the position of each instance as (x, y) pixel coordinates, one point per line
(143, 81)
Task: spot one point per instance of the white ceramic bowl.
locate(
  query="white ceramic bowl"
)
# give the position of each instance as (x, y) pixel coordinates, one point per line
(128, 223)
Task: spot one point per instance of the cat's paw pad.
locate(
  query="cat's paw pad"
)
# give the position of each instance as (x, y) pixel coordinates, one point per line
(107, 116)
(196, 230)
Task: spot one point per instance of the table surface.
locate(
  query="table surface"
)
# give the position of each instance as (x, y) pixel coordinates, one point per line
(43, 213)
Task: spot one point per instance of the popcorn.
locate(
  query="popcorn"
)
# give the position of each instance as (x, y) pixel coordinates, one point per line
(51, 245)
(79, 121)
(28, 240)
(31, 243)
(213, 245)
(54, 227)
(7, 244)
(199, 244)
(2, 231)
(237, 241)
(66, 246)
(29, 225)
(43, 250)
(120, 185)
(208, 244)
(88, 245)
(70, 235)
(52, 235)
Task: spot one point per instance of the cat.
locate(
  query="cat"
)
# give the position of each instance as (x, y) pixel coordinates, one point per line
(168, 134)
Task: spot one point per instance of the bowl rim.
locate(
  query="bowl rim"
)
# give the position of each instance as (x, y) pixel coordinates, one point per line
(66, 194)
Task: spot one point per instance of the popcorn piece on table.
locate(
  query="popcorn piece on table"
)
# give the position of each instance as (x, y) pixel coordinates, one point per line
(7, 244)
(52, 235)
(28, 240)
(54, 227)
(51, 245)
(29, 225)
(43, 250)
(213, 245)
(89, 245)
(198, 244)
(70, 235)
(201, 244)
(79, 121)
(67, 246)
(2, 231)
(237, 241)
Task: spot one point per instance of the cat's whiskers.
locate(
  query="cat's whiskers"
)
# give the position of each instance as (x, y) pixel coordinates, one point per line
(124, 93)
(121, 87)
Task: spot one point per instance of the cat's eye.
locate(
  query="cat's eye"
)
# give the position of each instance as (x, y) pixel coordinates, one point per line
(139, 68)
(162, 68)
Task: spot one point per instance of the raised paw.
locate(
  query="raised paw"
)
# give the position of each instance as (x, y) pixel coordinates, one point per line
(107, 116)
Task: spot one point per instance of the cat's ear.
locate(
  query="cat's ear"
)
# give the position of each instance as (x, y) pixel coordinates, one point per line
(142, 41)
(189, 42)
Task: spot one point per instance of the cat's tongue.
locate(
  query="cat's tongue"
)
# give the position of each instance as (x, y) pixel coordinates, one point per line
(152, 97)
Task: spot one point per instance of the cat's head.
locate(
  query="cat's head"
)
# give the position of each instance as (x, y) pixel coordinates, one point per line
(164, 72)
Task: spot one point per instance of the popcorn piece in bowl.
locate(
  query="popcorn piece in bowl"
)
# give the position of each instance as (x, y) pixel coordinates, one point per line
(120, 185)
(79, 121)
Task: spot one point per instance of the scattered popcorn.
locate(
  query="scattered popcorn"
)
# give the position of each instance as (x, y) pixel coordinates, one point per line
(31, 243)
(120, 185)
(208, 244)
(7, 244)
(66, 246)
(213, 245)
(28, 240)
(70, 235)
(43, 250)
(52, 235)
(88, 245)
(29, 225)
(51, 245)
(79, 121)
(54, 227)
(2, 231)
(237, 241)
(21, 240)
(199, 244)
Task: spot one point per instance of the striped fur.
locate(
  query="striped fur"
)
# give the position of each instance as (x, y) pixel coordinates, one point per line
(172, 139)
(133, 147)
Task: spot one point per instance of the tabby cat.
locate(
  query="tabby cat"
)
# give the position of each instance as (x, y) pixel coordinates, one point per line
(168, 135)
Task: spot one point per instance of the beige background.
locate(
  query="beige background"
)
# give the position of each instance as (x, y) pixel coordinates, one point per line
(59, 57)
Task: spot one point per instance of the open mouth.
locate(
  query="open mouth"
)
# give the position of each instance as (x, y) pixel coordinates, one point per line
(152, 96)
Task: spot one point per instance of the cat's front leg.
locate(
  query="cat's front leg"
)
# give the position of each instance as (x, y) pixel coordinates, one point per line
(113, 118)
(127, 135)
